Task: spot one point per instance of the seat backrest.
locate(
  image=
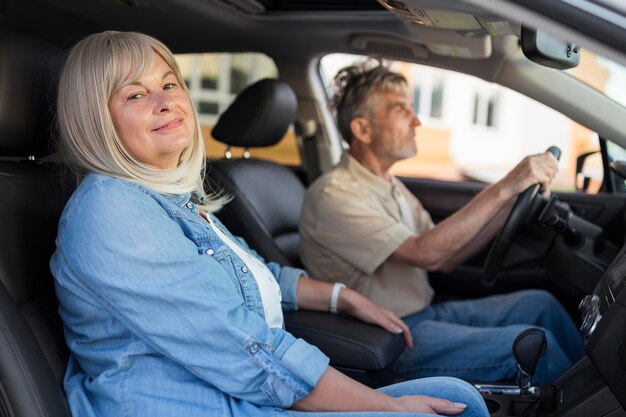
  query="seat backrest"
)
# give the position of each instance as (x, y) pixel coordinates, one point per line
(268, 197)
(33, 354)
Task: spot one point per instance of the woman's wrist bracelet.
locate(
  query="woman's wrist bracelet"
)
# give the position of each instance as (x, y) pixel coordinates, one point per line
(334, 296)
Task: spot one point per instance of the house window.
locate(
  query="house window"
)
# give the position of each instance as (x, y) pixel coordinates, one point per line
(485, 109)
(428, 93)
(417, 93)
(436, 98)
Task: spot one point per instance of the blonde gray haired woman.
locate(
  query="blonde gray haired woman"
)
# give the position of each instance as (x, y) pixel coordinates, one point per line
(165, 312)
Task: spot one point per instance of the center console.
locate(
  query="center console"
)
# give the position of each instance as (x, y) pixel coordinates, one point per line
(595, 386)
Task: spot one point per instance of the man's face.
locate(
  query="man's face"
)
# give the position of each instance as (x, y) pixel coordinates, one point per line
(393, 125)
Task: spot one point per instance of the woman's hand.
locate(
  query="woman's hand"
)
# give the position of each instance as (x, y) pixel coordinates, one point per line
(354, 304)
(429, 405)
(337, 392)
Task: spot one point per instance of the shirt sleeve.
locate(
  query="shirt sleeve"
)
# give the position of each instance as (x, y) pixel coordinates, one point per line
(129, 257)
(356, 228)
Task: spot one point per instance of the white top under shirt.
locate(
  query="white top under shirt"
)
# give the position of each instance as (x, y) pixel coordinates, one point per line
(268, 287)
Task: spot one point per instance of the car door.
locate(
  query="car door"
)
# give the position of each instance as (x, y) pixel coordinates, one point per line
(443, 198)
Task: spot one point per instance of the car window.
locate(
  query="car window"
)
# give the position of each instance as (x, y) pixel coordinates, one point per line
(607, 76)
(214, 80)
(462, 116)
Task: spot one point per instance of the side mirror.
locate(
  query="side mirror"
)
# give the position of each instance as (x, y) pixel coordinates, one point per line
(549, 51)
(583, 176)
(619, 167)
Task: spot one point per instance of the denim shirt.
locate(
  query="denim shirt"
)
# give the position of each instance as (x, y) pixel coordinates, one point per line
(162, 318)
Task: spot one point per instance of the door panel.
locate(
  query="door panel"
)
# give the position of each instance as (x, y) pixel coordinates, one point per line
(442, 198)
(604, 209)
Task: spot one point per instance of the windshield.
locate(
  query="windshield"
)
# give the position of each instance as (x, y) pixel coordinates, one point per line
(602, 74)
(465, 121)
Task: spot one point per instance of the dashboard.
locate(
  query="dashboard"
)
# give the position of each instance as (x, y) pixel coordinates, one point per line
(604, 326)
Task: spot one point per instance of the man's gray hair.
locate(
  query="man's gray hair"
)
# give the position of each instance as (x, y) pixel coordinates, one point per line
(354, 86)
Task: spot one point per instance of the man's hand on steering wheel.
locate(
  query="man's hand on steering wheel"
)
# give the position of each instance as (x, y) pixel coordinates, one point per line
(534, 169)
(527, 179)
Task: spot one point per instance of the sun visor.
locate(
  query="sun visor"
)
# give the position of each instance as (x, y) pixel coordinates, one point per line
(457, 32)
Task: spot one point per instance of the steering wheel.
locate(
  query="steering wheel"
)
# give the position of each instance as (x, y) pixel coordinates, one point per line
(518, 216)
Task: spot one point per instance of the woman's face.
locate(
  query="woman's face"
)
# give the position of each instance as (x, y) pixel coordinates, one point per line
(153, 117)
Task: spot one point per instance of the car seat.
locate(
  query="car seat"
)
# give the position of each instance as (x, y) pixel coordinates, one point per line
(33, 354)
(265, 211)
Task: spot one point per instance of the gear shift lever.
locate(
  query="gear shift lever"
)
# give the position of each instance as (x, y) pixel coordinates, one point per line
(528, 347)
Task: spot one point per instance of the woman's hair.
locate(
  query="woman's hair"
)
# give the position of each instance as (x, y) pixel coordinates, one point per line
(354, 87)
(95, 69)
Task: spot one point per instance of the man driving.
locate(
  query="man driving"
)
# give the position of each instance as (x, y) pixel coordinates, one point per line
(361, 227)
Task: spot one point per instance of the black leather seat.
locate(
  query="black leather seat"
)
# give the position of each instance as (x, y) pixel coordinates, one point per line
(269, 196)
(265, 211)
(33, 354)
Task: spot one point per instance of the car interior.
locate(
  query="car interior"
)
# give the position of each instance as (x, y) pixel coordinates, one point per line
(570, 243)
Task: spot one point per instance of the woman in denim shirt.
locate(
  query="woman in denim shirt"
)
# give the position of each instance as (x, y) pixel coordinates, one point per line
(165, 312)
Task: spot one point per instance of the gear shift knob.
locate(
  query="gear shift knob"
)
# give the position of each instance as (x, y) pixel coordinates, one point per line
(528, 347)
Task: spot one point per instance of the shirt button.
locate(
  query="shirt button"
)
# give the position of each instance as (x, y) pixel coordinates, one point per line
(254, 348)
(189, 205)
(244, 269)
(210, 252)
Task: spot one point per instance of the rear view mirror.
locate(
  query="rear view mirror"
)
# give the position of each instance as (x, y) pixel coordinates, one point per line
(549, 51)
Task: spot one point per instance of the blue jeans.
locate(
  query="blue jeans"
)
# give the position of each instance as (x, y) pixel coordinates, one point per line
(472, 339)
(442, 387)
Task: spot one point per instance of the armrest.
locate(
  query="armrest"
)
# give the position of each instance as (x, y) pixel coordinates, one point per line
(348, 342)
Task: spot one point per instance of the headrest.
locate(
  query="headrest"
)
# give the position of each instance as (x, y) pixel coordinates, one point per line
(29, 70)
(259, 116)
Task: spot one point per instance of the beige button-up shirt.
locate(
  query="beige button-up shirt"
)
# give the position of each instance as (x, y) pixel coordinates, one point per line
(352, 221)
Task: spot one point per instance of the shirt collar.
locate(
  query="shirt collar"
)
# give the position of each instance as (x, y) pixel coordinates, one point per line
(366, 177)
(178, 199)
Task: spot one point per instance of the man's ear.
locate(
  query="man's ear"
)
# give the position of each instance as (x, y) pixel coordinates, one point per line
(361, 129)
